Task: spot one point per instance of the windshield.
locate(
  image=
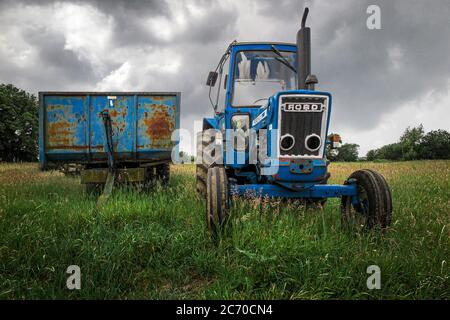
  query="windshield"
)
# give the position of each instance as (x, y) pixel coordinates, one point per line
(258, 75)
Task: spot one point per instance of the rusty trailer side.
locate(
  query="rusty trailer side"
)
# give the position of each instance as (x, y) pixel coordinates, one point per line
(72, 131)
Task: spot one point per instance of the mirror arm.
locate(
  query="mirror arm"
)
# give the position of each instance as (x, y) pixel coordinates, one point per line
(210, 99)
(220, 65)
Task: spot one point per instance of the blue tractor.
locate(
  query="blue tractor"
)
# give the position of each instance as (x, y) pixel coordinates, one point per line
(269, 137)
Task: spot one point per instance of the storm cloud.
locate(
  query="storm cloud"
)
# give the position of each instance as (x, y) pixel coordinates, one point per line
(381, 80)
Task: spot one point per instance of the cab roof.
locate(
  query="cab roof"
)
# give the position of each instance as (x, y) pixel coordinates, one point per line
(237, 46)
(262, 43)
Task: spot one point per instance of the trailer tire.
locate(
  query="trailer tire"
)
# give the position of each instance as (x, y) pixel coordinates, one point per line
(94, 189)
(217, 200)
(163, 173)
(374, 209)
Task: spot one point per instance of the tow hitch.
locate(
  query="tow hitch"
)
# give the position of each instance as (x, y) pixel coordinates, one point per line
(109, 148)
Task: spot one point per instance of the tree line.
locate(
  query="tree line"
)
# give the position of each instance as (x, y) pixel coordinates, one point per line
(414, 144)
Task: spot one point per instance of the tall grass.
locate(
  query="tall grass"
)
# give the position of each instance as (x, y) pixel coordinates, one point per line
(154, 245)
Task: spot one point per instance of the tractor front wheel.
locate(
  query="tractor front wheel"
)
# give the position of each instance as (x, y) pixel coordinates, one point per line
(217, 200)
(373, 208)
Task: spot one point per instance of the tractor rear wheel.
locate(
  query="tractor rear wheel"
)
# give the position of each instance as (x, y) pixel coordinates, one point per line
(207, 161)
(374, 206)
(201, 174)
(217, 200)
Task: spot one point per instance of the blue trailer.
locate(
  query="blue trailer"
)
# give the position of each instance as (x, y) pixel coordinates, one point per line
(128, 133)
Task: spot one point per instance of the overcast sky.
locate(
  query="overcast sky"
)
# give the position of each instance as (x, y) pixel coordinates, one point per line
(382, 80)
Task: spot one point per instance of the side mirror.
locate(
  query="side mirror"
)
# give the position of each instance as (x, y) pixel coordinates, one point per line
(212, 78)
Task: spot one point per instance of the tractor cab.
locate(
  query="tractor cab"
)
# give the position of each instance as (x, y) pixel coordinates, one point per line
(247, 76)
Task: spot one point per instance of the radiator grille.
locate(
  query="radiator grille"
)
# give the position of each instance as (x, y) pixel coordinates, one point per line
(301, 123)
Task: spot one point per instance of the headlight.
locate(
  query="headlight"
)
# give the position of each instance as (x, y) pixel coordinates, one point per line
(240, 123)
(287, 142)
(313, 142)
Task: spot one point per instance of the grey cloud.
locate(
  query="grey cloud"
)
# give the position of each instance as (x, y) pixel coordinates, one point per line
(59, 61)
(353, 62)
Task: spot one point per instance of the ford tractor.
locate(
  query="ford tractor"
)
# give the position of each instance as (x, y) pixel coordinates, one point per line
(269, 136)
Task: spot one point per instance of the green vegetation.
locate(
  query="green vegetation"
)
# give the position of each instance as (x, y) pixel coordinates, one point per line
(414, 144)
(18, 125)
(348, 152)
(155, 246)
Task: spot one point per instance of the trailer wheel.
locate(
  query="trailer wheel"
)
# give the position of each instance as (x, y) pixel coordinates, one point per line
(374, 207)
(217, 200)
(94, 189)
(163, 173)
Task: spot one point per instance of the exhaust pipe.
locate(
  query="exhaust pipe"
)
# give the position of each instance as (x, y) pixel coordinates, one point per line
(306, 80)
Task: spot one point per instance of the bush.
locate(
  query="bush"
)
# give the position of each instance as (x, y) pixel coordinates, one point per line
(414, 145)
(18, 125)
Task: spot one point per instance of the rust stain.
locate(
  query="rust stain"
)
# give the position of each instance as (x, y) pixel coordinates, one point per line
(159, 98)
(160, 126)
(53, 107)
(60, 133)
(114, 113)
(67, 147)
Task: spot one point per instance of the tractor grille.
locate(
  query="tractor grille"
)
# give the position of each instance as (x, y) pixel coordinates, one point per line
(300, 117)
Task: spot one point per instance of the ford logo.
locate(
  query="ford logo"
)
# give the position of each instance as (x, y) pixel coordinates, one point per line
(302, 107)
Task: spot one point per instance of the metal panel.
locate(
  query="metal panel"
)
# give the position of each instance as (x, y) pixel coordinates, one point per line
(120, 109)
(65, 124)
(157, 117)
(313, 191)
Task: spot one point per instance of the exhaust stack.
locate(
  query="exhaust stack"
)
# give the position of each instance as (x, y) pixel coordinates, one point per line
(306, 80)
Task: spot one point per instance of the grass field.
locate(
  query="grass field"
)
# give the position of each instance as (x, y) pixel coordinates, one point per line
(154, 246)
